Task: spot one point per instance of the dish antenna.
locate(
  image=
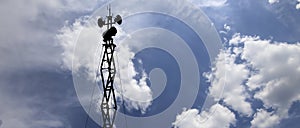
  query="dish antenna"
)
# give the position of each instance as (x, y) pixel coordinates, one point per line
(118, 19)
(101, 22)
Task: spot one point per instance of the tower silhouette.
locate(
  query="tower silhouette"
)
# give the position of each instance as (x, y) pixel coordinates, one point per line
(108, 69)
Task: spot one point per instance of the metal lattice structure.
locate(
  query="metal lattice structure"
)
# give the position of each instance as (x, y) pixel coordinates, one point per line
(108, 70)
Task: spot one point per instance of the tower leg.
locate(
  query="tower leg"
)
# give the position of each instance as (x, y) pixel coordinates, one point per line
(107, 71)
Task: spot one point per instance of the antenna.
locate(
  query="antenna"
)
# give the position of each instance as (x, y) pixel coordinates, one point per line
(108, 69)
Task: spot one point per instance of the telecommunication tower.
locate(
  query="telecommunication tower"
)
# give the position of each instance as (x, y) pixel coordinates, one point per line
(108, 69)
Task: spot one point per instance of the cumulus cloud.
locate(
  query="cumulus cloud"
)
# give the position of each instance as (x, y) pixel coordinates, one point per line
(137, 93)
(68, 37)
(253, 68)
(274, 72)
(219, 116)
(278, 70)
(264, 119)
(227, 82)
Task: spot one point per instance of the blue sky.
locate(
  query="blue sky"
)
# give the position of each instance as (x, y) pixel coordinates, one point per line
(260, 59)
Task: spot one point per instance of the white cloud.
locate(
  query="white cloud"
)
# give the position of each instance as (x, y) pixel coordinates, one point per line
(227, 27)
(68, 38)
(209, 3)
(278, 67)
(273, 1)
(264, 119)
(237, 39)
(270, 70)
(219, 116)
(274, 78)
(137, 93)
(298, 5)
(230, 75)
(276, 1)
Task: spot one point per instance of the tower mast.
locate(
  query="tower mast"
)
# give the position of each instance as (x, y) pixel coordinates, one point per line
(108, 69)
